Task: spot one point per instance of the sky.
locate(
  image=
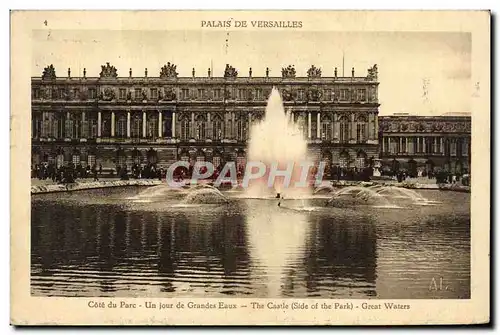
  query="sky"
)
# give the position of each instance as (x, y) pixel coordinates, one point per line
(420, 73)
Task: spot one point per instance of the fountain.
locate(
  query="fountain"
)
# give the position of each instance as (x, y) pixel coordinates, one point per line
(205, 195)
(401, 193)
(358, 195)
(276, 140)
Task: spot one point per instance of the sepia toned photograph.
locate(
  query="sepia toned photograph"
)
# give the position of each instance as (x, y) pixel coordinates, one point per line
(253, 159)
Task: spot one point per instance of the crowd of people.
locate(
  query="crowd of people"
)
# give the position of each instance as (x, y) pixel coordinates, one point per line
(71, 172)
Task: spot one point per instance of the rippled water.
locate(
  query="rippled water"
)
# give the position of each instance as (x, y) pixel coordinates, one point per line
(113, 242)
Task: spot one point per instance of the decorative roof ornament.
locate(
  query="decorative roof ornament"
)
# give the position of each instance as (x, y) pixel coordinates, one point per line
(372, 73)
(168, 71)
(108, 71)
(288, 72)
(230, 72)
(314, 72)
(49, 73)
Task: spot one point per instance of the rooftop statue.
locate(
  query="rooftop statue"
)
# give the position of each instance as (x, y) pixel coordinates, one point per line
(288, 72)
(49, 73)
(373, 73)
(230, 72)
(314, 72)
(168, 71)
(108, 71)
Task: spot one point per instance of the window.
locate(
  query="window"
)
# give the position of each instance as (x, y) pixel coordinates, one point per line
(328, 94)
(185, 129)
(217, 93)
(91, 160)
(152, 126)
(200, 127)
(361, 160)
(242, 94)
(76, 93)
(76, 159)
(62, 93)
(123, 94)
(59, 160)
(326, 133)
(137, 93)
(361, 132)
(216, 161)
(242, 129)
(136, 126)
(121, 126)
(258, 94)
(453, 147)
(92, 93)
(217, 129)
(36, 93)
(154, 93)
(344, 130)
(185, 94)
(167, 125)
(300, 95)
(361, 94)
(465, 147)
(344, 94)
(344, 160)
(201, 93)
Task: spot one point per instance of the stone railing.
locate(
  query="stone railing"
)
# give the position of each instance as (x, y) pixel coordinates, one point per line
(38, 189)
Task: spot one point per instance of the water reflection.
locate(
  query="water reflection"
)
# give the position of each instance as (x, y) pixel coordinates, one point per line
(81, 247)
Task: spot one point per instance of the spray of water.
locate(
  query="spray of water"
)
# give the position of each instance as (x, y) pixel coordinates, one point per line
(276, 140)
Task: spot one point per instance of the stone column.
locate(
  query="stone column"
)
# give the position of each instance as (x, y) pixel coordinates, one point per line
(112, 124)
(441, 146)
(173, 125)
(235, 128)
(250, 124)
(383, 144)
(144, 124)
(375, 127)
(99, 124)
(309, 125)
(83, 135)
(160, 124)
(208, 127)
(370, 129)
(400, 144)
(407, 145)
(128, 123)
(336, 127)
(193, 128)
(353, 129)
(318, 126)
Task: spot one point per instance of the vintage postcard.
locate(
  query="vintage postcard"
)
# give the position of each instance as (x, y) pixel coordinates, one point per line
(250, 167)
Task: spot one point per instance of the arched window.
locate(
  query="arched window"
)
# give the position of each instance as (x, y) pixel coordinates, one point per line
(326, 128)
(361, 127)
(121, 158)
(361, 160)
(136, 156)
(200, 127)
(344, 129)
(106, 125)
(218, 131)
(152, 126)
(242, 124)
(185, 123)
(344, 159)
(60, 158)
(121, 126)
(136, 125)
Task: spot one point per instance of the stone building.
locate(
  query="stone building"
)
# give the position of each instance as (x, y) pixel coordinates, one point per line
(426, 143)
(116, 120)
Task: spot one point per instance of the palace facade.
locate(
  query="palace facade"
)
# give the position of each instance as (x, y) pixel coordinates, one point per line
(117, 120)
(426, 143)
